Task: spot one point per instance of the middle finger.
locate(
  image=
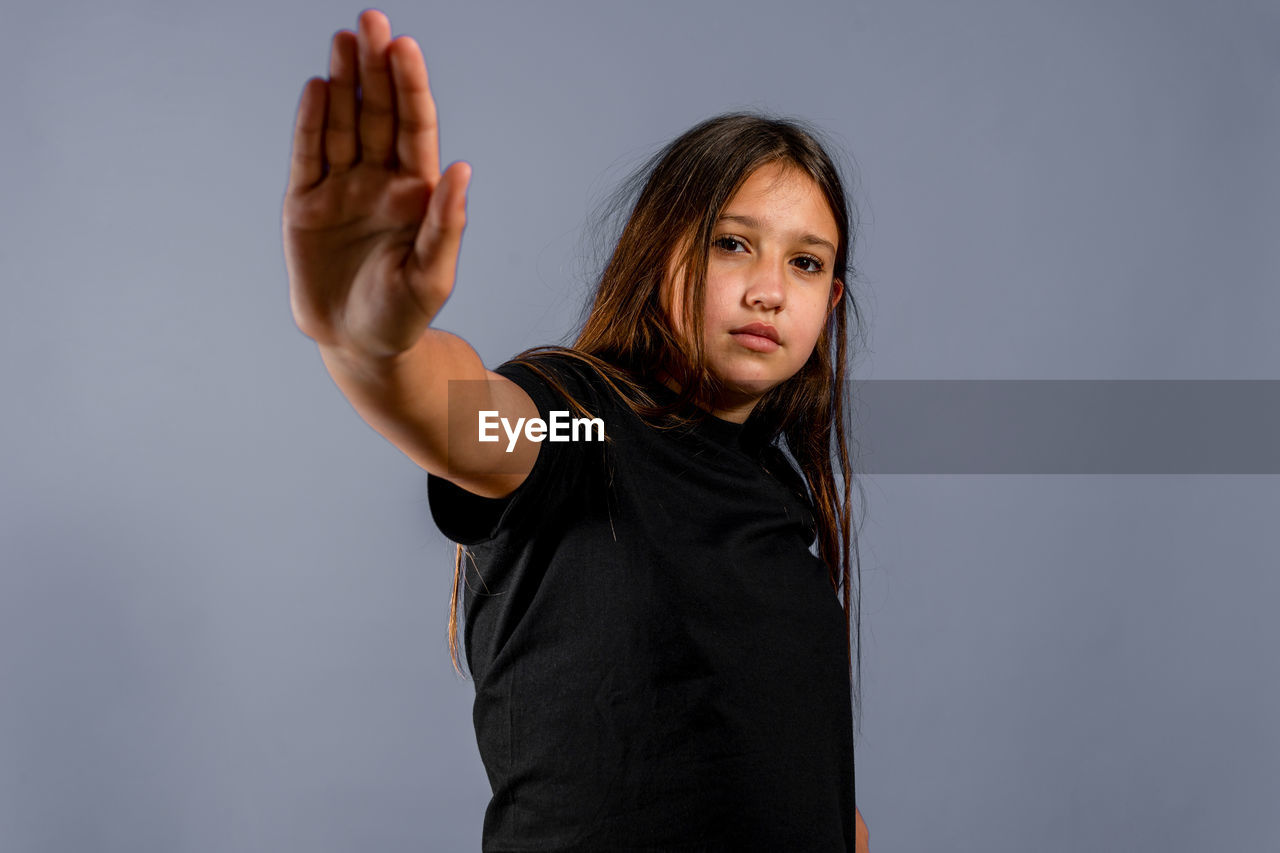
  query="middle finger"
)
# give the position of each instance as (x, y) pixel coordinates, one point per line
(376, 118)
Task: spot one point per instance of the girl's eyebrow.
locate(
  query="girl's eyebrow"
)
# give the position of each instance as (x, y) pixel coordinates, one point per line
(752, 222)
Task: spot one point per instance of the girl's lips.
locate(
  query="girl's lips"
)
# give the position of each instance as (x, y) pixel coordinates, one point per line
(759, 343)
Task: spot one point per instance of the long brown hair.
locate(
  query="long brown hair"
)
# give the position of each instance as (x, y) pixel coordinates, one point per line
(626, 332)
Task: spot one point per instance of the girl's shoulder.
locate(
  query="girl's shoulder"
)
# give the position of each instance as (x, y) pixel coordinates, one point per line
(779, 464)
(572, 377)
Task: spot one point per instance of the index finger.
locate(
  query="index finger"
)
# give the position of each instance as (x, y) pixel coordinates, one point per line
(417, 133)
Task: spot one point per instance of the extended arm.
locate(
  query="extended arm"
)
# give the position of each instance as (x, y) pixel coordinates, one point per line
(372, 230)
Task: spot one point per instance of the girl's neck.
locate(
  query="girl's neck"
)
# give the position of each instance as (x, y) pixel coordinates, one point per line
(724, 411)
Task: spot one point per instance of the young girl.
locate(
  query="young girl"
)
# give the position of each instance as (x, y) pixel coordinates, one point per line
(661, 661)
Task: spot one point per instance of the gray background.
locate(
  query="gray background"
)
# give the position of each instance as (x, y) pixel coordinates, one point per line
(223, 602)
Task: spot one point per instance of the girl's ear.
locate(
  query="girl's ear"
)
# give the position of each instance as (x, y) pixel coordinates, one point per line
(837, 289)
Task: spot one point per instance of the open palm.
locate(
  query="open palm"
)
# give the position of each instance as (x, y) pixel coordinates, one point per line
(371, 227)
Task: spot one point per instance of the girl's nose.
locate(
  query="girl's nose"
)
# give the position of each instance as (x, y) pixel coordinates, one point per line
(767, 287)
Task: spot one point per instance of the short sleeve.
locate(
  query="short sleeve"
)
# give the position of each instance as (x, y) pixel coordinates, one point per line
(558, 471)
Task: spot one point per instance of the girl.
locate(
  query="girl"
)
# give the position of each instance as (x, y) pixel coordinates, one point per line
(661, 660)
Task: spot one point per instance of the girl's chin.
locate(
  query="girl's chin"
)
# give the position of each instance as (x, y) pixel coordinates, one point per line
(751, 375)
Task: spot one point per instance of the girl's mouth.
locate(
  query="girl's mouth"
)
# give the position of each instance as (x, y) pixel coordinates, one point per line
(758, 343)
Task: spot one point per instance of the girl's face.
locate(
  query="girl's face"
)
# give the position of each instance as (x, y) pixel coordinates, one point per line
(769, 285)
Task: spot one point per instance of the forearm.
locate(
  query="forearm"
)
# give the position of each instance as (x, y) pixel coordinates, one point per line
(406, 398)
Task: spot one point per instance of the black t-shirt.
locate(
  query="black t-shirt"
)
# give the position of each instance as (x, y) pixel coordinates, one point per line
(660, 661)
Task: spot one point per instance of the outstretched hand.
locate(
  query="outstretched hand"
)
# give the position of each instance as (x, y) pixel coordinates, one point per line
(372, 229)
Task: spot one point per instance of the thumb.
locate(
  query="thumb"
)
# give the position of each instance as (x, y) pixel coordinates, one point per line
(440, 235)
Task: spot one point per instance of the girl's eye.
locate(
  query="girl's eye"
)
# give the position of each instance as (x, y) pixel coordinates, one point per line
(729, 244)
(817, 264)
